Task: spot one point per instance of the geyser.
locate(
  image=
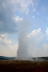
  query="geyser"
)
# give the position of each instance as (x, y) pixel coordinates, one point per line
(23, 48)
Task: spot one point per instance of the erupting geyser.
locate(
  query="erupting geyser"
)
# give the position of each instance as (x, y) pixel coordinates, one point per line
(23, 48)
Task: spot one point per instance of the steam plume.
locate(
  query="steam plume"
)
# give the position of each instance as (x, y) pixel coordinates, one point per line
(23, 48)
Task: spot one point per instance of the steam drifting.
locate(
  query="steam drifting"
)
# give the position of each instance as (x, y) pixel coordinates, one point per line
(23, 48)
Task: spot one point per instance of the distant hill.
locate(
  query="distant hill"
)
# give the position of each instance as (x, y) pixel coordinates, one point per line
(7, 58)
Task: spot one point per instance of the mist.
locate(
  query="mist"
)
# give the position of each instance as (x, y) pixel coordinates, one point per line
(23, 48)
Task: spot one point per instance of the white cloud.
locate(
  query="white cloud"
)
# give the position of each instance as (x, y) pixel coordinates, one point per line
(8, 9)
(35, 38)
(10, 50)
(3, 38)
(39, 51)
(4, 35)
(34, 5)
(7, 47)
(24, 4)
(18, 19)
(13, 49)
(21, 5)
(7, 41)
(36, 34)
(45, 46)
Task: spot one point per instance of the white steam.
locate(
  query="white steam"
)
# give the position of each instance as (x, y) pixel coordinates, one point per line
(23, 48)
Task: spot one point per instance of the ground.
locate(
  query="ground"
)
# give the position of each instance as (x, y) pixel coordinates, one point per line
(23, 66)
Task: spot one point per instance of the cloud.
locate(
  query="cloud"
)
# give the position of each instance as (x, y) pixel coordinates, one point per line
(7, 47)
(45, 46)
(8, 25)
(40, 51)
(3, 39)
(10, 50)
(34, 4)
(45, 49)
(36, 34)
(37, 49)
(35, 37)
(25, 4)
(17, 19)
(8, 10)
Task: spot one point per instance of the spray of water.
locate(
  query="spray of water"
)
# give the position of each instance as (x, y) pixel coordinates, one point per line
(23, 48)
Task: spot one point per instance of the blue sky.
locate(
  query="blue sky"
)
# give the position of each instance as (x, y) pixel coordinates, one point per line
(27, 19)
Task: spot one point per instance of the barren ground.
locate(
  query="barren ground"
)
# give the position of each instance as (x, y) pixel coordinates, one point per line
(23, 66)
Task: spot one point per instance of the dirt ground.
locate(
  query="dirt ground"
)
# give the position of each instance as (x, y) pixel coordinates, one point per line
(23, 66)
